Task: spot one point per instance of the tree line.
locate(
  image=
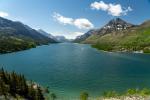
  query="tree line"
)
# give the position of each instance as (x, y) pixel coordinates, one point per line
(13, 84)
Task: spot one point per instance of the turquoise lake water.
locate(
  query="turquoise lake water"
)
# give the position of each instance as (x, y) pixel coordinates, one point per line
(69, 69)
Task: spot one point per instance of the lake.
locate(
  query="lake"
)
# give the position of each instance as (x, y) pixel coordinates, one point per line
(69, 69)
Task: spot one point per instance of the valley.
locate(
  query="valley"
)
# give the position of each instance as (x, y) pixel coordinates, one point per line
(74, 50)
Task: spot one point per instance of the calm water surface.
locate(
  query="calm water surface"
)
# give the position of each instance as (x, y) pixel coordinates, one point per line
(69, 69)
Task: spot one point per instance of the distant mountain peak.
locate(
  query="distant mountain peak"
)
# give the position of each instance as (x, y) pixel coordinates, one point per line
(114, 25)
(117, 20)
(56, 38)
(62, 39)
(117, 24)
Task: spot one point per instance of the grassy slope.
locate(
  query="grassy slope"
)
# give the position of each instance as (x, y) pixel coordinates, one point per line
(15, 36)
(135, 39)
(13, 43)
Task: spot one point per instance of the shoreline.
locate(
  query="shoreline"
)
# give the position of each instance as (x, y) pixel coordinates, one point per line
(117, 51)
(26, 49)
(113, 51)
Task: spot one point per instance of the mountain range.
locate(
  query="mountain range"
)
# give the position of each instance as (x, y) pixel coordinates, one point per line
(116, 35)
(56, 38)
(119, 35)
(16, 36)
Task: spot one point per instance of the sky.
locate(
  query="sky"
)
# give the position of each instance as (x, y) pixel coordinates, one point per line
(71, 18)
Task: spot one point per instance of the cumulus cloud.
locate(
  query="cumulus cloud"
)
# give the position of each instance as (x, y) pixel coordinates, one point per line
(112, 9)
(62, 19)
(3, 14)
(81, 23)
(99, 6)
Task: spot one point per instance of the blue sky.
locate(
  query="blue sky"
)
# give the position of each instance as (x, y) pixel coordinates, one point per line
(73, 17)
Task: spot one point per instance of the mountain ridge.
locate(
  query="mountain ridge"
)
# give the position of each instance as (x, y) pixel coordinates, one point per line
(113, 25)
(56, 38)
(16, 36)
(121, 37)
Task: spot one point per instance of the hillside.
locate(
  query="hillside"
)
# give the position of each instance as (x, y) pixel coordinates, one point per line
(15, 36)
(58, 39)
(15, 87)
(47, 34)
(84, 36)
(119, 35)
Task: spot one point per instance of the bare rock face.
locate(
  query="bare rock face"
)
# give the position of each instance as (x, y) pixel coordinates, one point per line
(115, 25)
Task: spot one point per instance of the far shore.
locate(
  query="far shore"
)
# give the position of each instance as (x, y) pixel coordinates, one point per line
(124, 51)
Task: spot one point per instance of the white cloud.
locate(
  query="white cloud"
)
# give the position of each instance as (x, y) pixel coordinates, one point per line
(73, 35)
(3, 14)
(78, 33)
(99, 6)
(127, 10)
(112, 9)
(115, 10)
(68, 35)
(62, 19)
(81, 23)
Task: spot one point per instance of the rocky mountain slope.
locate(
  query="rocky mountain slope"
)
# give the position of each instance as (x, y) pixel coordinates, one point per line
(119, 35)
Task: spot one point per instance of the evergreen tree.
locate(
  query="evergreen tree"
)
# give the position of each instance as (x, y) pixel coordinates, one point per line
(3, 76)
(14, 84)
(53, 96)
(39, 95)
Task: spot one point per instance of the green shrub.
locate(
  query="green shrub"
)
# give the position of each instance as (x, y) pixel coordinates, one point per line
(132, 91)
(110, 94)
(84, 96)
(145, 92)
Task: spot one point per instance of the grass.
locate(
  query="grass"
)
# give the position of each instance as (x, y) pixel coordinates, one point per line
(130, 92)
(132, 40)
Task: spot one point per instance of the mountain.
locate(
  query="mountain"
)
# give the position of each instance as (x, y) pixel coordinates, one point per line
(62, 39)
(113, 26)
(47, 34)
(56, 38)
(119, 35)
(84, 36)
(15, 36)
